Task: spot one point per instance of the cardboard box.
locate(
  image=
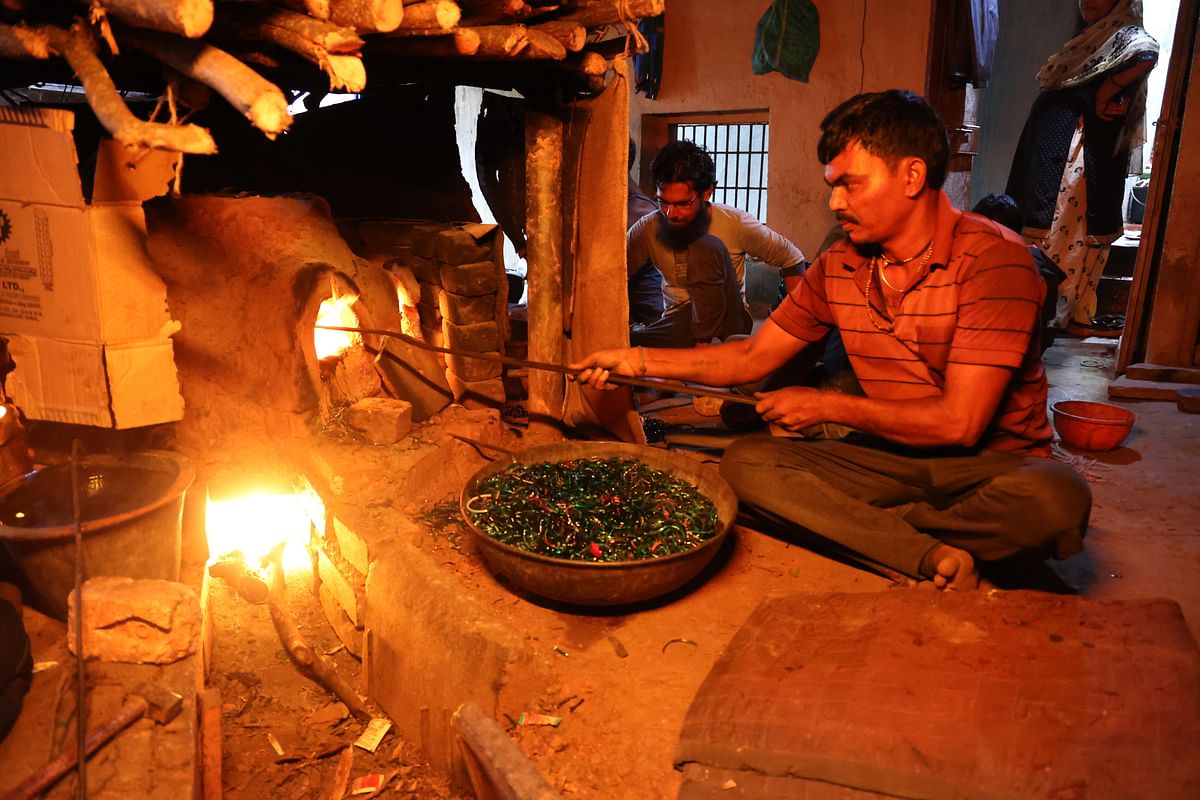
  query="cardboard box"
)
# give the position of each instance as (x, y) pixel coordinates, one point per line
(83, 309)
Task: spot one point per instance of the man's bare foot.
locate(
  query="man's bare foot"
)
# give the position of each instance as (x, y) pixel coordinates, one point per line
(954, 570)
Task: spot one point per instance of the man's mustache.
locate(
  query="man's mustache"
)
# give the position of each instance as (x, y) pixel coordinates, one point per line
(846, 218)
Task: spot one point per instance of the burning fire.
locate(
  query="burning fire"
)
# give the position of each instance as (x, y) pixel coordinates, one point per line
(336, 311)
(256, 523)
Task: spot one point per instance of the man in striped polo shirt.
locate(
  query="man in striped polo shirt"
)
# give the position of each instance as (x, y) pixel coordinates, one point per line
(938, 310)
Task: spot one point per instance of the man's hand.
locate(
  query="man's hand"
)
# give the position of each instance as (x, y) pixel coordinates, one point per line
(596, 367)
(793, 408)
(790, 282)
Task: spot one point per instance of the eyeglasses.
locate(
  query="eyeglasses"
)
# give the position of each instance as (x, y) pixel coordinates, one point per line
(667, 205)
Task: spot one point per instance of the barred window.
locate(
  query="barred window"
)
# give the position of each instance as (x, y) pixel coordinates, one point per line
(740, 150)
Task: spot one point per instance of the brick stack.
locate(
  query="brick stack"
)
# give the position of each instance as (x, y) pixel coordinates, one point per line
(340, 569)
(462, 305)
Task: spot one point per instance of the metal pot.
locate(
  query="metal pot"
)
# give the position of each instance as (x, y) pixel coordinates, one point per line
(603, 583)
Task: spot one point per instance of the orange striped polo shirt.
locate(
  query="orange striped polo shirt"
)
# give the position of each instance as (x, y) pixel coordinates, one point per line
(977, 302)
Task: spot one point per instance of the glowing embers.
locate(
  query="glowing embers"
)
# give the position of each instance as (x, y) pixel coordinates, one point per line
(254, 524)
(336, 311)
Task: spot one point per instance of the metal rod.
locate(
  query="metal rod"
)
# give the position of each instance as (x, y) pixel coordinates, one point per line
(80, 668)
(663, 386)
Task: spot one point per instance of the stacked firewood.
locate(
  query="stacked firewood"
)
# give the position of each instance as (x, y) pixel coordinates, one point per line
(206, 46)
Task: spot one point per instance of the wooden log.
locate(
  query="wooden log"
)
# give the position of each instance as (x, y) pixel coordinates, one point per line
(317, 9)
(573, 37)
(544, 235)
(302, 653)
(543, 46)
(462, 42)
(590, 63)
(501, 41)
(190, 18)
(593, 13)
(252, 95)
(344, 70)
(496, 765)
(368, 16)
(493, 12)
(22, 41)
(264, 21)
(437, 15)
(78, 47)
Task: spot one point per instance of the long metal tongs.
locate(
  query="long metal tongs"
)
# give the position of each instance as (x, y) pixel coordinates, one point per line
(664, 386)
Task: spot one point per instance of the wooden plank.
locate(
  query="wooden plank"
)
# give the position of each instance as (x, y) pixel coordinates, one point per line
(1159, 372)
(210, 744)
(1170, 175)
(1128, 388)
(497, 767)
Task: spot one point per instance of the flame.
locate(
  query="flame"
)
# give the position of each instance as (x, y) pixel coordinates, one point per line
(256, 523)
(336, 311)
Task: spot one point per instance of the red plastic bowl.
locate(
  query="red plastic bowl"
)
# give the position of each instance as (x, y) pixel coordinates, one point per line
(1091, 426)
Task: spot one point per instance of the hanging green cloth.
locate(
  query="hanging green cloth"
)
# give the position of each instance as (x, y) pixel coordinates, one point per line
(787, 39)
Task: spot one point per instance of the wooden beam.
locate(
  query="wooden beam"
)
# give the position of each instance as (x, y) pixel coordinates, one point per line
(1163, 319)
(544, 234)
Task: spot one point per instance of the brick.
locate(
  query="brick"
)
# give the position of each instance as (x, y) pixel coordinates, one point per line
(310, 500)
(460, 247)
(137, 621)
(344, 583)
(477, 394)
(382, 420)
(431, 296)
(426, 270)
(386, 233)
(432, 334)
(473, 369)
(429, 317)
(478, 337)
(424, 240)
(464, 309)
(348, 634)
(351, 546)
(408, 287)
(473, 279)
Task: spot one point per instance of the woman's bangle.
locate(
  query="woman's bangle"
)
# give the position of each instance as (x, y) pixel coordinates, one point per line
(641, 361)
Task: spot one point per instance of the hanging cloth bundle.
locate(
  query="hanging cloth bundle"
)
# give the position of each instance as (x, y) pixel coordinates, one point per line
(787, 39)
(648, 64)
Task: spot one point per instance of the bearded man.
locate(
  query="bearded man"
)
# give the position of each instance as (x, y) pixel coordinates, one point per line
(700, 248)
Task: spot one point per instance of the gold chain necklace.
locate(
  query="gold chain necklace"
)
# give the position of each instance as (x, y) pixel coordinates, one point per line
(927, 250)
(876, 265)
(887, 262)
(867, 298)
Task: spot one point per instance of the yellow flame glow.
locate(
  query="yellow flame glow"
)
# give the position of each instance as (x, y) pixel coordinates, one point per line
(254, 524)
(336, 311)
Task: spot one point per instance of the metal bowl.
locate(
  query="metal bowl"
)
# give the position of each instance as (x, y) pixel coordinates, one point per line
(603, 583)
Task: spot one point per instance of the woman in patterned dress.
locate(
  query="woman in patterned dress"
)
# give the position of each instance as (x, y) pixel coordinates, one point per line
(1068, 174)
